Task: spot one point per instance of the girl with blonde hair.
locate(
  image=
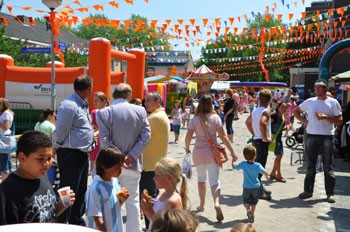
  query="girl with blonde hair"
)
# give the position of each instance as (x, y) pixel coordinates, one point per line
(168, 174)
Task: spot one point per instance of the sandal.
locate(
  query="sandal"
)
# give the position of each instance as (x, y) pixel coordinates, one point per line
(272, 177)
(281, 179)
(199, 210)
(219, 215)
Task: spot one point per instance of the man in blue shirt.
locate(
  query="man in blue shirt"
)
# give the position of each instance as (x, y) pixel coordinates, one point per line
(73, 140)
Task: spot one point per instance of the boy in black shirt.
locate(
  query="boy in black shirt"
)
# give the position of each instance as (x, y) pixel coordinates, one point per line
(27, 195)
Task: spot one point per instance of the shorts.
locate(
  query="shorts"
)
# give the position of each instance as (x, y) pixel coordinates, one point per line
(251, 196)
(5, 163)
(279, 146)
(176, 129)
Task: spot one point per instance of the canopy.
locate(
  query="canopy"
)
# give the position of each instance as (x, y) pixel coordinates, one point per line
(162, 78)
(205, 78)
(342, 77)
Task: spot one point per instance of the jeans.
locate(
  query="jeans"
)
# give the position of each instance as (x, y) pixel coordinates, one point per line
(148, 183)
(319, 145)
(130, 180)
(74, 166)
(262, 151)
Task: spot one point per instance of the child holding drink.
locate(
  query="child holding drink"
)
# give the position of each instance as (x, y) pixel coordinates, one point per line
(104, 198)
(27, 194)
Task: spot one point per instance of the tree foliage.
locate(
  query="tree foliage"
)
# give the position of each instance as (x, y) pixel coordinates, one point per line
(133, 35)
(242, 48)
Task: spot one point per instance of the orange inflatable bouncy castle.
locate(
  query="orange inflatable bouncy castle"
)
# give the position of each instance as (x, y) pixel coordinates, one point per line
(26, 84)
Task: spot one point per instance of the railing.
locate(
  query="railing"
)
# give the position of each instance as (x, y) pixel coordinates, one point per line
(23, 115)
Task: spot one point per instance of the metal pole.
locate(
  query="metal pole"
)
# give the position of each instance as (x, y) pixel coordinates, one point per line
(53, 79)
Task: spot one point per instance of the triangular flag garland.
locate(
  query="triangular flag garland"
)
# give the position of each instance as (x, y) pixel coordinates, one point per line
(181, 30)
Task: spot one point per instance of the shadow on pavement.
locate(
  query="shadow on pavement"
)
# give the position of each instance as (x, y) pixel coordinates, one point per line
(231, 200)
(294, 202)
(219, 225)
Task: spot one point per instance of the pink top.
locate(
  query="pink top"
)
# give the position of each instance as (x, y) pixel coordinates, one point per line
(202, 153)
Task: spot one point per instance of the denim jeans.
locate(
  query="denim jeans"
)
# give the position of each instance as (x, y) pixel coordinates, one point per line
(74, 166)
(319, 145)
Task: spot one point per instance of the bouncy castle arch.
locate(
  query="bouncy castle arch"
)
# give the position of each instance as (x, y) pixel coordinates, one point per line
(326, 59)
(13, 78)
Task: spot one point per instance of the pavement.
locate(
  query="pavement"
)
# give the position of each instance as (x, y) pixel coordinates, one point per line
(285, 212)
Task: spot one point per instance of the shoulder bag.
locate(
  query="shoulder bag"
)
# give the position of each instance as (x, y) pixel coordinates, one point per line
(219, 153)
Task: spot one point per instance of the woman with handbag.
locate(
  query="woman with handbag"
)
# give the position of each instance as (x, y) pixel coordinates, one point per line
(277, 124)
(6, 119)
(206, 124)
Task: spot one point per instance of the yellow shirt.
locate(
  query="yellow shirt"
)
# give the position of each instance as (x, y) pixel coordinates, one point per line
(157, 148)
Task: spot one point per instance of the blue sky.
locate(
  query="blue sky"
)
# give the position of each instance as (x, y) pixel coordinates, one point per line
(176, 9)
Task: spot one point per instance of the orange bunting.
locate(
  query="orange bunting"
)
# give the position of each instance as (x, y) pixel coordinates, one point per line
(153, 24)
(77, 2)
(205, 21)
(131, 2)
(217, 21)
(231, 20)
(279, 16)
(26, 8)
(114, 4)
(330, 12)
(31, 21)
(180, 21)
(303, 15)
(290, 16)
(4, 21)
(267, 17)
(192, 21)
(9, 8)
(197, 28)
(17, 19)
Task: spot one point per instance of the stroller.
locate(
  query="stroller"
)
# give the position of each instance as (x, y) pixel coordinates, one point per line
(297, 137)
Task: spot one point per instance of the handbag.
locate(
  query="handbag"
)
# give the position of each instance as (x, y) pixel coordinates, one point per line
(187, 166)
(272, 145)
(219, 153)
(7, 144)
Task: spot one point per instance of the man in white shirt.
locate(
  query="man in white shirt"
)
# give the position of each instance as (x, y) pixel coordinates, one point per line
(323, 112)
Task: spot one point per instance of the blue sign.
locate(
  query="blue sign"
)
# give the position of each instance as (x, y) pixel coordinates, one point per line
(35, 50)
(62, 46)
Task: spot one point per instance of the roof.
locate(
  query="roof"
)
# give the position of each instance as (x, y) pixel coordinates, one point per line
(37, 33)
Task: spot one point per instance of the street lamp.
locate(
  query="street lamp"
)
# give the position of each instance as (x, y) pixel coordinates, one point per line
(52, 5)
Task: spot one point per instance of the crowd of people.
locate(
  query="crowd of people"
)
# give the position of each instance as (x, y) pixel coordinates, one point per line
(127, 145)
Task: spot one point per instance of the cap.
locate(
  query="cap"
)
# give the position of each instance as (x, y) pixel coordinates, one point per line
(321, 83)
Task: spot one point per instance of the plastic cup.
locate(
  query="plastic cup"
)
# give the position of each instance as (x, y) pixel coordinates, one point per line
(65, 195)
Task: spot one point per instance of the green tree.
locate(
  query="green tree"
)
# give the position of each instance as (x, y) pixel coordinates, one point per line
(244, 61)
(136, 34)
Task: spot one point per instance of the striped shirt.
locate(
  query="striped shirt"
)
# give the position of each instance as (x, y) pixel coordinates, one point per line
(73, 127)
(102, 202)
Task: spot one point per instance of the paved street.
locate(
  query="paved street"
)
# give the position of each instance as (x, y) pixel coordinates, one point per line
(285, 212)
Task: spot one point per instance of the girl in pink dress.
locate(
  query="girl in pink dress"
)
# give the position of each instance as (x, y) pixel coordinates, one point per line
(287, 116)
(203, 159)
(100, 102)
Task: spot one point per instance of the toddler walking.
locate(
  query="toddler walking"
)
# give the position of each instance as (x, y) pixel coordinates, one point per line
(251, 183)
